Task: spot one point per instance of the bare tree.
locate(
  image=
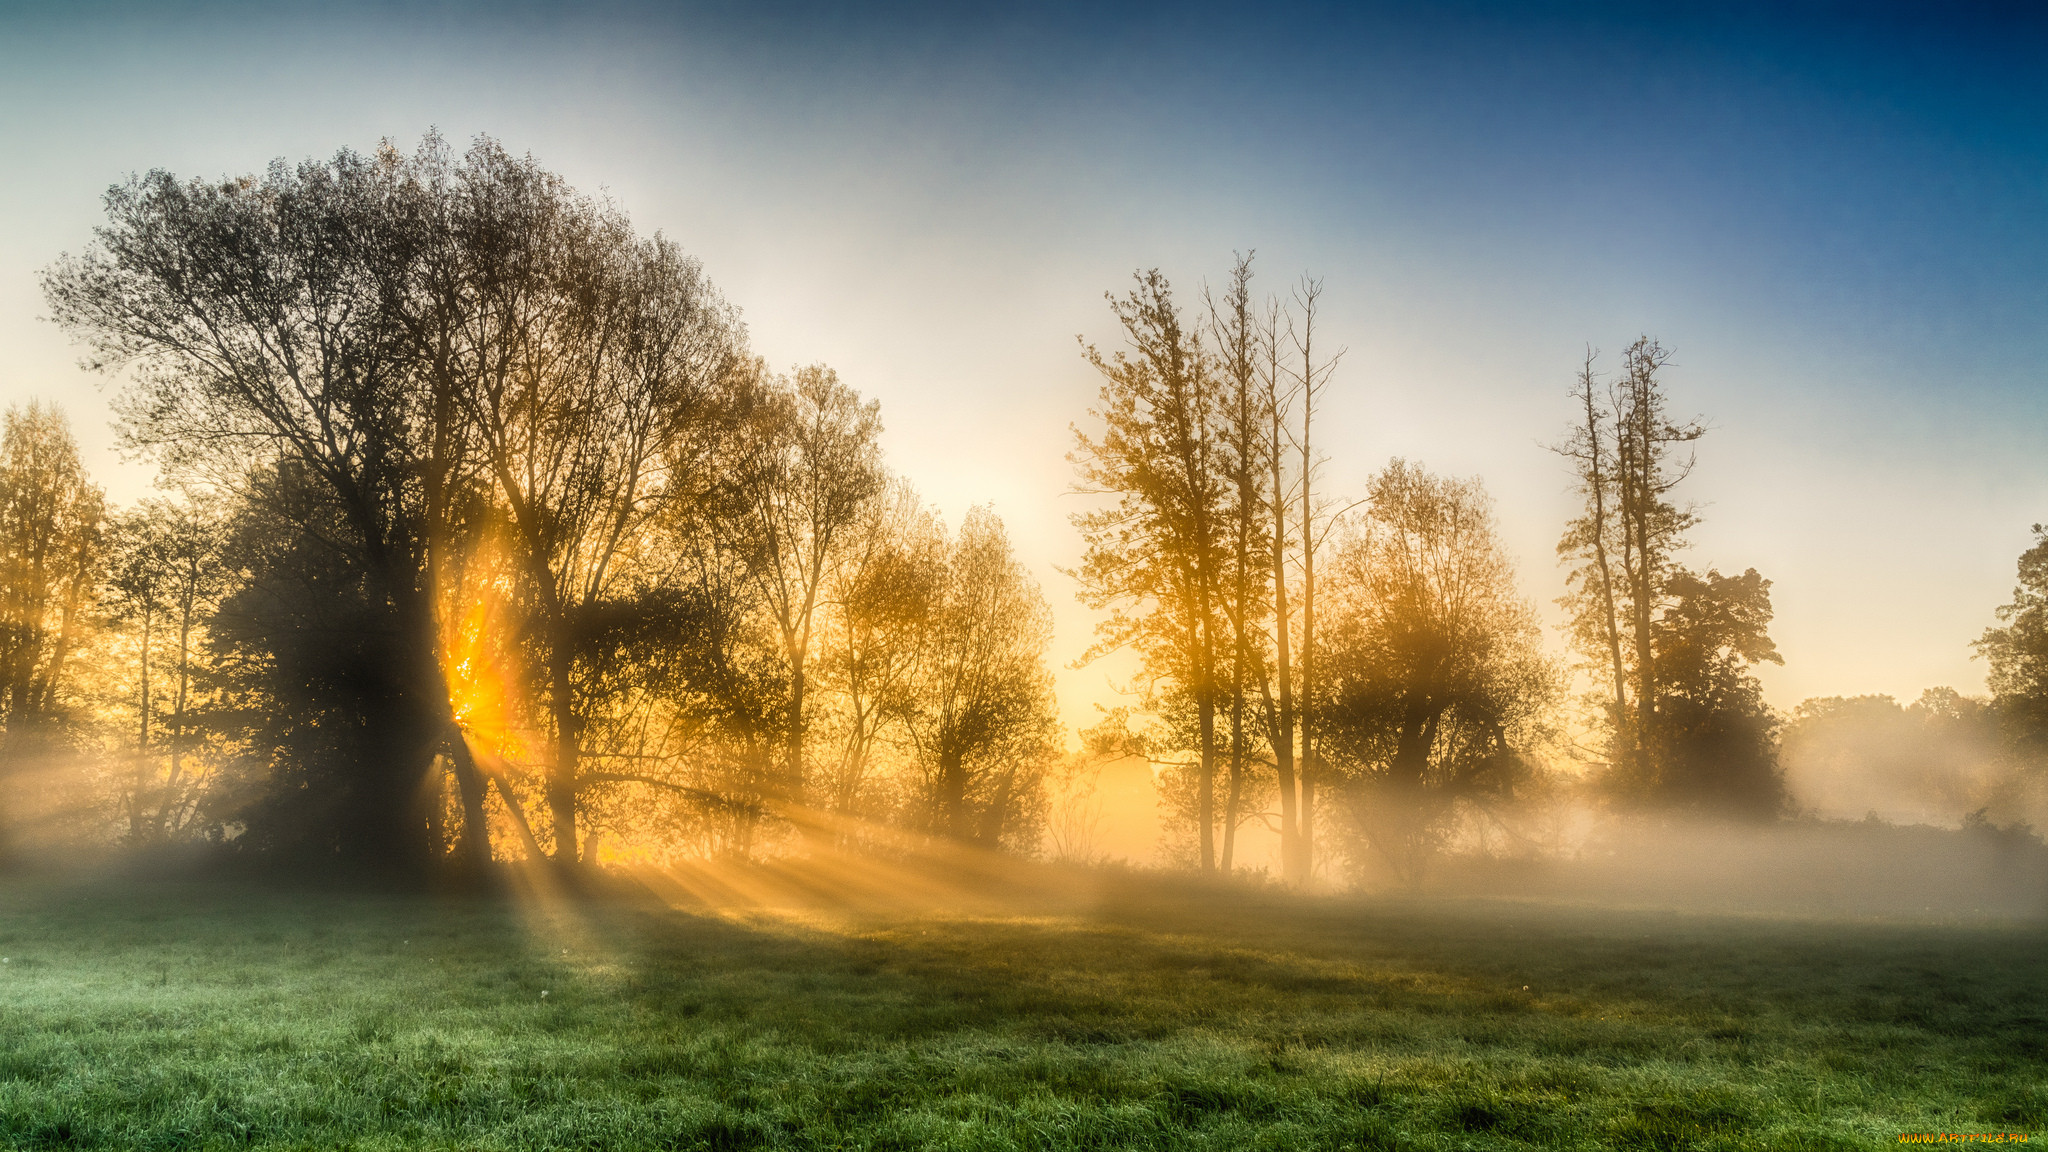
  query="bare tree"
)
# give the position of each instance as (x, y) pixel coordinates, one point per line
(1310, 378)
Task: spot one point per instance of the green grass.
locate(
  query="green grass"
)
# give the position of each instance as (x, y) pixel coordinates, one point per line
(1145, 1016)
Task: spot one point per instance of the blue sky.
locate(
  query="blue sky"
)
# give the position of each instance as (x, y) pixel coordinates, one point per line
(1838, 216)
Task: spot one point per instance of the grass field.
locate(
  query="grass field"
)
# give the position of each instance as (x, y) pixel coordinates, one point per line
(1132, 1014)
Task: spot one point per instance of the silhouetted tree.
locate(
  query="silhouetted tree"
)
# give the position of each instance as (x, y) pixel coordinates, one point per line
(1716, 744)
(1652, 528)
(2017, 651)
(1683, 720)
(1592, 542)
(251, 312)
(583, 355)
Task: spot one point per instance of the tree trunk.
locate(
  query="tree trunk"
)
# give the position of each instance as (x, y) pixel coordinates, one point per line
(469, 783)
(568, 752)
(177, 772)
(1305, 841)
(1283, 727)
(1235, 796)
(793, 782)
(136, 823)
(953, 794)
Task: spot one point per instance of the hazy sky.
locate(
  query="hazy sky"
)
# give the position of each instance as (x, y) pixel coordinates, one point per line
(1838, 217)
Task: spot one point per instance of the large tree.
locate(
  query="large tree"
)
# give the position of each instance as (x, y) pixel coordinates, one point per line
(580, 356)
(251, 315)
(1439, 688)
(1681, 718)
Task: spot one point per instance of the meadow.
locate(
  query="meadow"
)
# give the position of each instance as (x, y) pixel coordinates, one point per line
(1083, 1010)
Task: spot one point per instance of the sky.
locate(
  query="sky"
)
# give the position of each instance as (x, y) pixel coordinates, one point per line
(1836, 215)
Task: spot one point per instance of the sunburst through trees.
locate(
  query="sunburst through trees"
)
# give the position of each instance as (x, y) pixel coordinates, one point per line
(528, 551)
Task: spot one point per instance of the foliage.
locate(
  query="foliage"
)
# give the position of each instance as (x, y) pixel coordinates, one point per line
(2017, 651)
(1439, 690)
(1716, 738)
(512, 508)
(50, 547)
(1681, 722)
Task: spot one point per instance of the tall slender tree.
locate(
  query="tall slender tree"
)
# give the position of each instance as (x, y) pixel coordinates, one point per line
(1281, 714)
(1153, 558)
(1652, 528)
(1246, 586)
(1311, 377)
(1590, 541)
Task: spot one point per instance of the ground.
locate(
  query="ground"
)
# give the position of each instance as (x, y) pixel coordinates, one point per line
(1123, 1012)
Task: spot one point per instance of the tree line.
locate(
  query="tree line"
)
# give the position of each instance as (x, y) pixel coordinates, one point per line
(493, 537)
(1364, 677)
(489, 536)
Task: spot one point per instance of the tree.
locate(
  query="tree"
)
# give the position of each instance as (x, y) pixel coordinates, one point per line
(1309, 380)
(1934, 761)
(887, 595)
(1591, 541)
(580, 357)
(1439, 688)
(252, 314)
(1682, 718)
(1651, 527)
(803, 465)
(1246, 584)
(1153, 558)
(982, 714)
(1716, 747)
(2017, 651)
(166, 564)
(51, 556)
